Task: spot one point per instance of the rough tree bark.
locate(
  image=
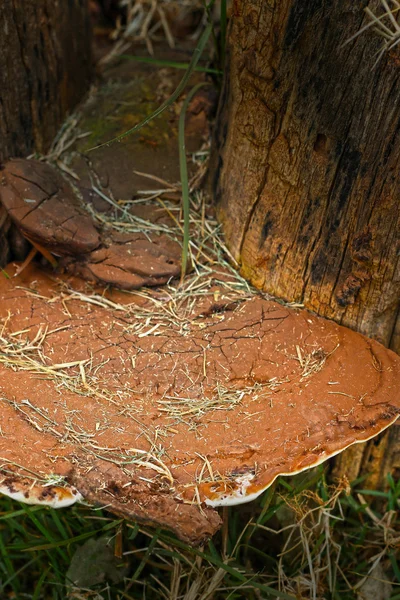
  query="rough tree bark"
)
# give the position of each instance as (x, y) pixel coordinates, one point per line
(45, 67)
(305, 171)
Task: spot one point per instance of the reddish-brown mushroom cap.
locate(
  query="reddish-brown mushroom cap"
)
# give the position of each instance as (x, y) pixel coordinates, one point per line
(47, 211)
(161, 411)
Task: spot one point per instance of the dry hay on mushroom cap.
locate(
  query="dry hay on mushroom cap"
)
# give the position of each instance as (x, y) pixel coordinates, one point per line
(48, 213)
(161, 405)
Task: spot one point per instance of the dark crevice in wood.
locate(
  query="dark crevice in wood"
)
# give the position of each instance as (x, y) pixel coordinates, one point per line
(314, 217)
(43, 67)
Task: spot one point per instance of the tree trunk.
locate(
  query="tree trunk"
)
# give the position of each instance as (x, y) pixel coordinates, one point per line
(45, 67)
(305, 170)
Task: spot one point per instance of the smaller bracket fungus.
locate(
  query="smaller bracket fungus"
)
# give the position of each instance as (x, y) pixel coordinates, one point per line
(48, 213)
(162, 411)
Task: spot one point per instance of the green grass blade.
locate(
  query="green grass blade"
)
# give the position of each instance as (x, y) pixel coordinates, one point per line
(212, 549)
(66, 542)
(159, 62)
(223, 32)
(376, 493)
(198, 51)
(58, 523)
(207, 8)
(46, 533)
(17, 513)
(16, 574)
(9, 567)
(282, 481)
(147, 554)
(184, 177)
(135, 530)
(40, 583)
(395, 566)
(231, 570)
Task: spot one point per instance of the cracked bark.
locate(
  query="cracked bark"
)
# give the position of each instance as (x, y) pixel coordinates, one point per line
(45, 67)
(305, 172)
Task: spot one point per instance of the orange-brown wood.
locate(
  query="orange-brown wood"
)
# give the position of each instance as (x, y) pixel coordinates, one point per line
(306, 163)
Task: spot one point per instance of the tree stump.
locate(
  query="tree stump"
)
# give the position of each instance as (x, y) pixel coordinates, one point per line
(45, 67)
(305, 170)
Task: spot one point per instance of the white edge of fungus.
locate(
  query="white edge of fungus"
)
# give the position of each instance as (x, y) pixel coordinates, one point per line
(57, 501)
(239, 495)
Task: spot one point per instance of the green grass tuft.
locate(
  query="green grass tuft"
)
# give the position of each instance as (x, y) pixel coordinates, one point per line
(300, 539)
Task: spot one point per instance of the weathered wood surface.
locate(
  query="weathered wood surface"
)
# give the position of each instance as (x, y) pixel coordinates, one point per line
(45, 67)
(306, 174)
(305, 168)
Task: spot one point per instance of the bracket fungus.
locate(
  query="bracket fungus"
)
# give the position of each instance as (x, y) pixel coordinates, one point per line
(162, 408)
(48, 213)
(164, 403)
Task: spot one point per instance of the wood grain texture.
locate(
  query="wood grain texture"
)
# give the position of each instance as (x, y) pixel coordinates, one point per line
(45, 67)
(305, 173)
(305, 170)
